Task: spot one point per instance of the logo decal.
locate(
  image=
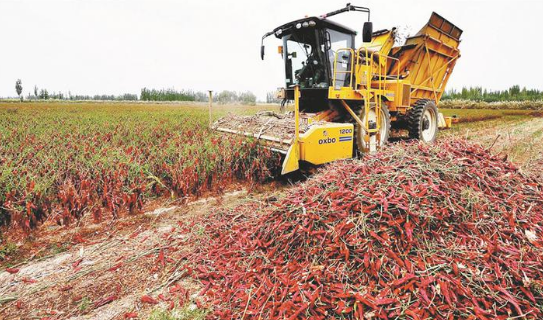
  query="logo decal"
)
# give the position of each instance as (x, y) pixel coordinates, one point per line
(327, 140)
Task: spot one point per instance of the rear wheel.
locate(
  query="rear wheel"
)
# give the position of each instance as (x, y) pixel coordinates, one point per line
(360, 131)
(422, 121)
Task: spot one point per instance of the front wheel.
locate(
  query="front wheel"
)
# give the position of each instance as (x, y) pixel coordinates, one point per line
(422, 121)
(375, 140)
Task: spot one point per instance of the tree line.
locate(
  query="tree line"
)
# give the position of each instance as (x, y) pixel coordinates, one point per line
(43, 94)
(514, 93)
(146, 94)
(222, 97)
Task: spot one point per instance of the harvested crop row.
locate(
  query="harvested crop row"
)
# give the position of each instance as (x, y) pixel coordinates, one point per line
(444, 231)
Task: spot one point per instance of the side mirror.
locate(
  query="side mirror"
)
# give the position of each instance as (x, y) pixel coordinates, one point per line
(327, 42)
(367, 31)
(262, 52)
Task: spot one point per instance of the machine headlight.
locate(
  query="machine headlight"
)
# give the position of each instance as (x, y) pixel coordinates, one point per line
(298, 25)
(279, 32)
(312, 23)
(305, 24)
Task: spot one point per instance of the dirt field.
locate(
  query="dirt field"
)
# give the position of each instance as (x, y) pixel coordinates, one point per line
(125, 268)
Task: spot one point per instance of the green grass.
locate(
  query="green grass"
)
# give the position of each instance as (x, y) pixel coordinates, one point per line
(7, 250)
(188, 312)
(84, 304)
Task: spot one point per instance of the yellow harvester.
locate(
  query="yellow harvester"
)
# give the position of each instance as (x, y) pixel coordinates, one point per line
(347, 99)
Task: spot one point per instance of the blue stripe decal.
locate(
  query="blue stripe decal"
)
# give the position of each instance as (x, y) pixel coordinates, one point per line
(343, 139)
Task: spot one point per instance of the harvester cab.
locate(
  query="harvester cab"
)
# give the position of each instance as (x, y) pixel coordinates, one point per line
(308, 50)
(348, 99)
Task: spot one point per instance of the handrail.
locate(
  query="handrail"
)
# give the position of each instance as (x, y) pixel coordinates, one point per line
(367, 59)
(350, 71)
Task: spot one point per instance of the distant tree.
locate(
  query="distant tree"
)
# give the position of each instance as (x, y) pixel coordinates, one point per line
(166, 95)
(19, 88)
(201, 96)
(247, 98)
(514, 90)
(36, 91)
(226, 96)
(127, 97)
(44, 94)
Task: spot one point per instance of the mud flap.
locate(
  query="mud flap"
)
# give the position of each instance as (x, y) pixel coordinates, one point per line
(291, 162)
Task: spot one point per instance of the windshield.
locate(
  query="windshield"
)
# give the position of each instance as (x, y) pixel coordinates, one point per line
(304, 60)
(339, 41)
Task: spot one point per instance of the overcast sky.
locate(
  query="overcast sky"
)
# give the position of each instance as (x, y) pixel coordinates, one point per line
(115, 47)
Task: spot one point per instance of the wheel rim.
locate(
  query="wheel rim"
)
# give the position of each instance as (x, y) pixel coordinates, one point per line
(372, 116)
(429, 131)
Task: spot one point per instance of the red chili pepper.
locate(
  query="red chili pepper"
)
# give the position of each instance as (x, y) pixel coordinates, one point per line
(76, 263)
(298, 312)
(12, 270)
(161, 259)
(403, 280)
(148, 299)
(28, 280)
(104, 301)
(510, 298)
(115, 267)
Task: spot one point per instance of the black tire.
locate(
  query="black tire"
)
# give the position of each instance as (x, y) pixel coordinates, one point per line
(359, 132)
(422, 121)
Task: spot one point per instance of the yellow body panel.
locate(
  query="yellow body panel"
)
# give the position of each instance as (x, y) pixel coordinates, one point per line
(382, 42)
(327, 142)
(321, 144)
(291, 162)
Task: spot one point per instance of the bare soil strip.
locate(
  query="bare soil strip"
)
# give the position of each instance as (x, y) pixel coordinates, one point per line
(106, 278)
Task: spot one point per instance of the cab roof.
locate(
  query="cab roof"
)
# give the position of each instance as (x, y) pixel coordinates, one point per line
(320, 23)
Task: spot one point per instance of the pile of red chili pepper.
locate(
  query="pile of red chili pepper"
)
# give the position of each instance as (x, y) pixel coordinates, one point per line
(445, 232)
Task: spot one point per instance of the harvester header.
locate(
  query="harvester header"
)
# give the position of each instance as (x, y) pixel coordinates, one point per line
(347, 99)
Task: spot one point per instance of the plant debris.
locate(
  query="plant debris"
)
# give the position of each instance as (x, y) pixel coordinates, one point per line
(445, 231)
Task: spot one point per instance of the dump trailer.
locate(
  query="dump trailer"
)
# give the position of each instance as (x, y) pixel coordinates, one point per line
(347, 99)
